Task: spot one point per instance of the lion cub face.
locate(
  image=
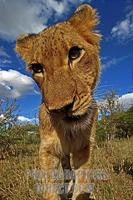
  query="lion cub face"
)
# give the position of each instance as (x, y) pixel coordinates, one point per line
(64, 62)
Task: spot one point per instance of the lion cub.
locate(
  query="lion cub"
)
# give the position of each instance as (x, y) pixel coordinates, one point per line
(64, 62)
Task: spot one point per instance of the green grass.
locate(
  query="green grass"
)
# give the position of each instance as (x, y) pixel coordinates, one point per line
(111, 156)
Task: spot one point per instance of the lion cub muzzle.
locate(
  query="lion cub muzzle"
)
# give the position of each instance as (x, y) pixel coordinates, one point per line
(65, 109)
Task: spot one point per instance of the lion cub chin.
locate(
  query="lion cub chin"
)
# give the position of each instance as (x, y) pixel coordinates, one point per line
(64, 62)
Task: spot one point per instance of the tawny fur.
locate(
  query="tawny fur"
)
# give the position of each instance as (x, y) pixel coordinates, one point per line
(62, 83)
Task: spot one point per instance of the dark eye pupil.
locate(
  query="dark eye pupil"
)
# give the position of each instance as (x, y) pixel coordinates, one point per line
(74, 52)
(37, 68)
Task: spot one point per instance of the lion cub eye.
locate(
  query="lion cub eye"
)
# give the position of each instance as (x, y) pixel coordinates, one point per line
(36, 68)
(74, 53)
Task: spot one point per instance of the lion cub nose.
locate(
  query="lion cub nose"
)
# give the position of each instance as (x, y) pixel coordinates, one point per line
(63, 109)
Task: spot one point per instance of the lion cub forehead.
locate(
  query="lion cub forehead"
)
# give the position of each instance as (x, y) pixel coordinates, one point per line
(59, 31)
(60, 37)
(78, 30)
(52, 43)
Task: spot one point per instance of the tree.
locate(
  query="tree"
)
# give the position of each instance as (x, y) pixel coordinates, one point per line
(8, 116)
(124, 124)
(109, 106)
(14, 137)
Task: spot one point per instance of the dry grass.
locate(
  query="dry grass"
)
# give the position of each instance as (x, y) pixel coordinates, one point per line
(110, 157)
(16, 184)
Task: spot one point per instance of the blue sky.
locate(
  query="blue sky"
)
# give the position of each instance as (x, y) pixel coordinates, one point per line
(116, 27)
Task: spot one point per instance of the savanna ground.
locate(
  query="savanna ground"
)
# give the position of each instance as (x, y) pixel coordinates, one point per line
(114, 157)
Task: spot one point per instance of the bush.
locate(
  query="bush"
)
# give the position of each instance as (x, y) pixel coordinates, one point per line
(18, 139)
(124, 124)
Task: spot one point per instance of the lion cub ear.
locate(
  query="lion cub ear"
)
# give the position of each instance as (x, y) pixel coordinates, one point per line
(85, 20)
(24, 46)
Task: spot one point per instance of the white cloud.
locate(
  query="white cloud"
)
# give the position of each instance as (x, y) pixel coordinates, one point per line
(123, 30)
(126, 100)
(3, 53)
(55, 5)
(17, 16)
(22, 119)
(6, 61)
(109, 63)
(114, 61)
(13, 84)
(4, 57)
(103, 58)
(2, 116)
